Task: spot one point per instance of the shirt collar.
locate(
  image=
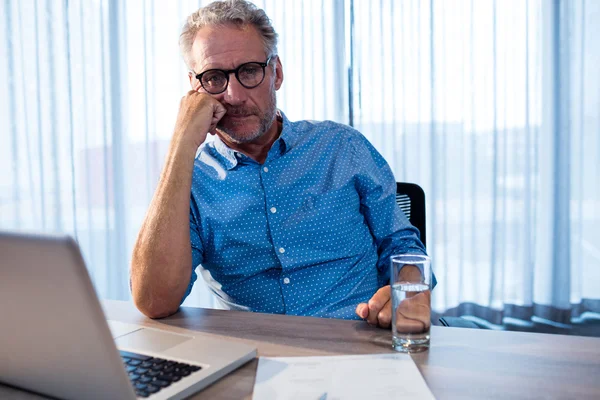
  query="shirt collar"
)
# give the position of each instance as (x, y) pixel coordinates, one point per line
(231, 157)
(289, 135)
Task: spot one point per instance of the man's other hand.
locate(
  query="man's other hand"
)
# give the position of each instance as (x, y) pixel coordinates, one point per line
(413, 314)
(378, 311)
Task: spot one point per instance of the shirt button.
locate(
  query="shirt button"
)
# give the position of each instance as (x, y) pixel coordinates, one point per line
(266, 169)
(273, 210)
(286, 280)
(281, 250)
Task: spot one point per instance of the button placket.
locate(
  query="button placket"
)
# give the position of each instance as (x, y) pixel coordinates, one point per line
(275, 234)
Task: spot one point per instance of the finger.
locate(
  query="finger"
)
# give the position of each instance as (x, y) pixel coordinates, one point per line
(377, 302)
(384, 318)
(417, 308)
(218, 113)
(218, 110)
(362, 310)
(379, 299)
(413, 309)
(406, 325)
(422, 316)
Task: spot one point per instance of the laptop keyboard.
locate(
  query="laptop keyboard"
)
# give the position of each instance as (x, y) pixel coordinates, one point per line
(149, 375)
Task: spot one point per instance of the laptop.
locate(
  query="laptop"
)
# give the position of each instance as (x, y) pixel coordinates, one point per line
(55, 340)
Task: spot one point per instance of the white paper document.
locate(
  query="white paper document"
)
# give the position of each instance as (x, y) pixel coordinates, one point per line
(391, 376)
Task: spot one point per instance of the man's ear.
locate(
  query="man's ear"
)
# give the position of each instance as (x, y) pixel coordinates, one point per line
(278, 74)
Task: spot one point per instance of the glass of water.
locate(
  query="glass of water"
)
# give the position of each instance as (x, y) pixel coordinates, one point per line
(410, 280)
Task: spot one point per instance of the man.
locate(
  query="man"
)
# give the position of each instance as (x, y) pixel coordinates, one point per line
(284, 217)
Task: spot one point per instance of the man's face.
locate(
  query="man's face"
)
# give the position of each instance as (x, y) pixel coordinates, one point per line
(250, 112)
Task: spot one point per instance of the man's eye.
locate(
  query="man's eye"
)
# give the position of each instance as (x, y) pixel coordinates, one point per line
(250, 70)
(213, 79)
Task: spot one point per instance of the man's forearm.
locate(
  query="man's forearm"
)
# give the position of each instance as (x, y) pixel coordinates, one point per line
(161, 262)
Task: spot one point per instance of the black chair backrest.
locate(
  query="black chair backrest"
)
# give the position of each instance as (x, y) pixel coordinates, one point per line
(411, 199)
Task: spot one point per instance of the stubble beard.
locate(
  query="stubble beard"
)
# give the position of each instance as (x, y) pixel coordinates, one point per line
(266, 121)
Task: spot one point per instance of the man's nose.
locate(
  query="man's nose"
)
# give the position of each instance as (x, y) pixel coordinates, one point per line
(235, 94)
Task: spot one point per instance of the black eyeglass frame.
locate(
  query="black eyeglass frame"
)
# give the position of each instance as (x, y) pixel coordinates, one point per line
(236, 73)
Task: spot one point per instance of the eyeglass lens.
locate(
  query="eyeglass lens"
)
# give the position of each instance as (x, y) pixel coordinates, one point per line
(249, 75)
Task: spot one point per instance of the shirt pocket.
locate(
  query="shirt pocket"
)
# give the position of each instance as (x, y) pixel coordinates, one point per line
(329, 222)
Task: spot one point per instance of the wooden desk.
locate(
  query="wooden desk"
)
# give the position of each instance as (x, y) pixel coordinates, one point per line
(461, 363)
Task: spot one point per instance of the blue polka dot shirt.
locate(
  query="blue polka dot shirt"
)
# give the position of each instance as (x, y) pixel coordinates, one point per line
(309, 232)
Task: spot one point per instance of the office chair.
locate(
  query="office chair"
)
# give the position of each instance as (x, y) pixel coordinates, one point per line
(411, 200)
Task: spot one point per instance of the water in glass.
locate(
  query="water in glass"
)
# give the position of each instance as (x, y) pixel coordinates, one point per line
(409, 333)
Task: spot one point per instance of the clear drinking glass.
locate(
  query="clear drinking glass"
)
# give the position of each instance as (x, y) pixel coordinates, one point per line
(410, 280)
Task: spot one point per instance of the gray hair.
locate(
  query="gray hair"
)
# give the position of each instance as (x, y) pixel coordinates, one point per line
(219, 13)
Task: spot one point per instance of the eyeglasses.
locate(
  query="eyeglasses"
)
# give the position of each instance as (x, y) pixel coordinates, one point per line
(249, 75)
